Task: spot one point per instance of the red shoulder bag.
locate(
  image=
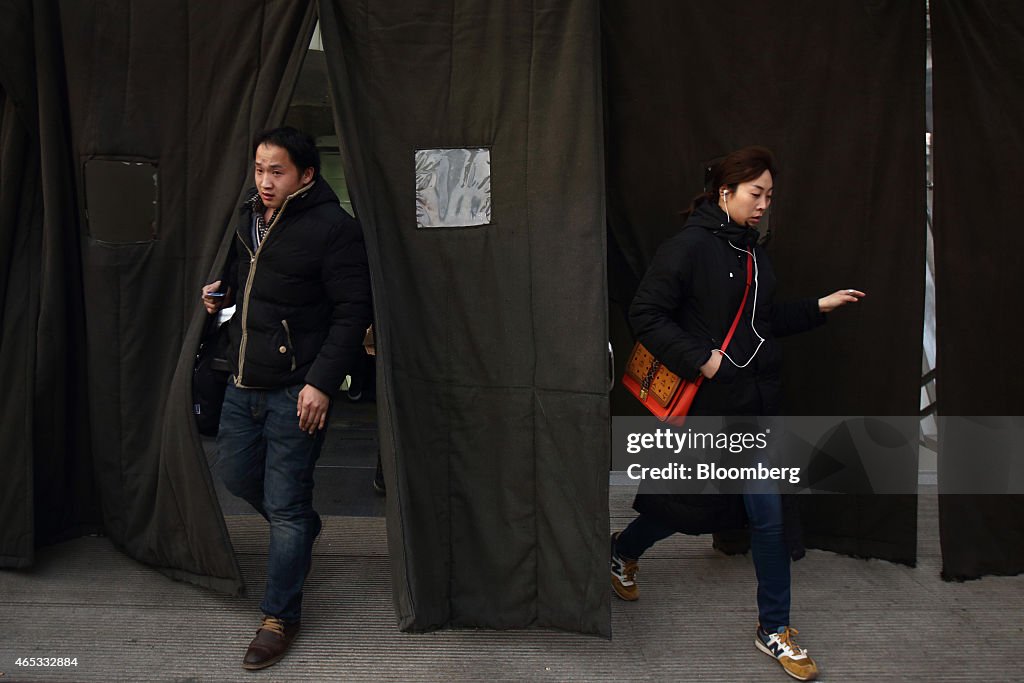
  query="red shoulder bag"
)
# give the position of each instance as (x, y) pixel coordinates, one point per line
(667, 395)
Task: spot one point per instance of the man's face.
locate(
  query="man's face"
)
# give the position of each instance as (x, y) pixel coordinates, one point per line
(277, 177)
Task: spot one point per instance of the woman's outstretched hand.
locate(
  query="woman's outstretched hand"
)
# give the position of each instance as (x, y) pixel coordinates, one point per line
(841, 297)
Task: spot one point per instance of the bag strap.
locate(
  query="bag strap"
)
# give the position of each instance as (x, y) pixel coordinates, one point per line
(645, 385)
(655, 364)
(743, 304)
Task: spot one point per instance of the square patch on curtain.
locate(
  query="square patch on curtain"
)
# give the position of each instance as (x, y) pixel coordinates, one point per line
(453, 187)
(121, 199)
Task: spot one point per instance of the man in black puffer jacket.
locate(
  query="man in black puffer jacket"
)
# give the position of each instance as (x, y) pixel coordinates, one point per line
(300, 280)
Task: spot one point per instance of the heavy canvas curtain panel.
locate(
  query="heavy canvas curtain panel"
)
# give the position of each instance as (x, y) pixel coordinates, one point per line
(46, 485)
(163, 99)
(836, 90)
(978, 59)
(471, 131)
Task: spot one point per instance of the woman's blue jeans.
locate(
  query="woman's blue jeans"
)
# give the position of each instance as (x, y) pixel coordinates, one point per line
(265, 459)
(767, 545)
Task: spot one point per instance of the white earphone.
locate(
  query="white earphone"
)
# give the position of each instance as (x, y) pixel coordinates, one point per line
(753, 312)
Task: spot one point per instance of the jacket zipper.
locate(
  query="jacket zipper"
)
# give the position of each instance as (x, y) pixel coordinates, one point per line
(253, 258)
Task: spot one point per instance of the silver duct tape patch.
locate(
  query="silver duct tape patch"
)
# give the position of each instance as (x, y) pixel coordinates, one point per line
(453, 187)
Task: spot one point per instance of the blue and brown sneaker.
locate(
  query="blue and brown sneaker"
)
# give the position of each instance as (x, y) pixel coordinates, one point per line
(780, 646)
(624, 575)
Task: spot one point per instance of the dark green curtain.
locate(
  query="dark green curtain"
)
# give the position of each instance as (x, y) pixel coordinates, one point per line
(978, 59)
(836, 90)
(492, 340)
(46, 484)
(180, 88)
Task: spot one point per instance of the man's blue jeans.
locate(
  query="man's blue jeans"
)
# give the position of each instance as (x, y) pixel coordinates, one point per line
(265, 459)
(767, 545)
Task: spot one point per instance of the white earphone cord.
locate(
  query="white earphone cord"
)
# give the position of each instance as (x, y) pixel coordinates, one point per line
(753, 313)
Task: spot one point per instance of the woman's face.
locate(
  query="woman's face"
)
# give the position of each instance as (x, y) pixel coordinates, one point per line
(749, 202)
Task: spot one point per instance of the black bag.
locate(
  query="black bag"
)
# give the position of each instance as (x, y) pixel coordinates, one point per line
(210, 376)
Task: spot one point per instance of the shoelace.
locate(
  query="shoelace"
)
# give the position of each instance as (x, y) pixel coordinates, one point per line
(626, 569)
(273, 624)
(786, 639)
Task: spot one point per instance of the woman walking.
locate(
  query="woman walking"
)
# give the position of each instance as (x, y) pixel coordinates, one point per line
(682, 312)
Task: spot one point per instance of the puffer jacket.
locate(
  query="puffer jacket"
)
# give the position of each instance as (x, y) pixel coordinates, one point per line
(303, 297)
(687, 301)
(682, 310)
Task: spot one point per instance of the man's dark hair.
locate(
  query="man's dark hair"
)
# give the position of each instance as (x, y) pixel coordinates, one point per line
(301, 146)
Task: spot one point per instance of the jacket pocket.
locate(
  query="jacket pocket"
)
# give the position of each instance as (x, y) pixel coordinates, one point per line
(290, 347)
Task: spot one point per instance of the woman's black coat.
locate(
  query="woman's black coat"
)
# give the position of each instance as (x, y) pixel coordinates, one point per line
(682, 310)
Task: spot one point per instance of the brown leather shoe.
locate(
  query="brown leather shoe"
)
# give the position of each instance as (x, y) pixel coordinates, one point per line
(270, 644)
